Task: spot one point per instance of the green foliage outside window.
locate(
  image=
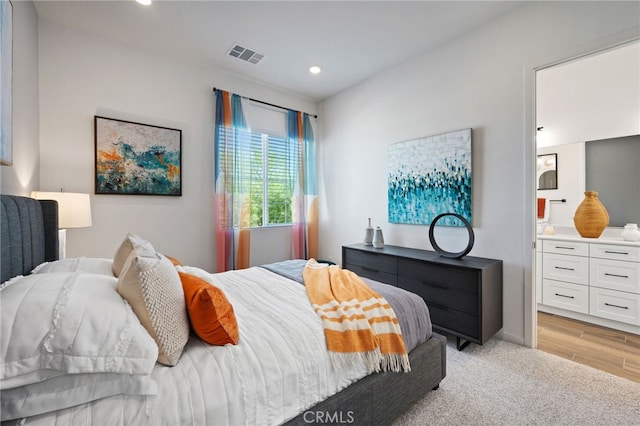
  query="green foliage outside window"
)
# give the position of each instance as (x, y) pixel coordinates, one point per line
(271, 180)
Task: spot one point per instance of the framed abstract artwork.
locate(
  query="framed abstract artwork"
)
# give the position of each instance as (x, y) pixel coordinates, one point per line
(137, 159)
(6, 85)
(430, 176)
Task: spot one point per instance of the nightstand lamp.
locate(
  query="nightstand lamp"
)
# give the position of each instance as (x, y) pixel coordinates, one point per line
(74, 211)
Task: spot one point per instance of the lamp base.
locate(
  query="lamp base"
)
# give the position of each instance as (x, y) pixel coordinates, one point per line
(62, 243)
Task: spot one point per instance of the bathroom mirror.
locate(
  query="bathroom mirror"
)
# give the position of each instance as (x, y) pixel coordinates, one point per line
(547, 171)
(607, 166)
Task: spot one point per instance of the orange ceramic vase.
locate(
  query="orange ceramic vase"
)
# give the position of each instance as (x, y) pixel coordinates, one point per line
(591, 216)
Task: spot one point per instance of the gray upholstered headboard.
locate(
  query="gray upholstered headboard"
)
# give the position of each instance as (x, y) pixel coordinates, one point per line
(29, 234)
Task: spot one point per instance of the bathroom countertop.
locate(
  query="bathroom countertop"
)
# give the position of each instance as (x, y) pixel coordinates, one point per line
(601, 239)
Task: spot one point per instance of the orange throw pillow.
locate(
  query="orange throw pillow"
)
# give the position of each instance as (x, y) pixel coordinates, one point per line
(173, 260)
(210, 313)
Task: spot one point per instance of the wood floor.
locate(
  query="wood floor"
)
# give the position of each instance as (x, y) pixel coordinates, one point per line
(613, 351)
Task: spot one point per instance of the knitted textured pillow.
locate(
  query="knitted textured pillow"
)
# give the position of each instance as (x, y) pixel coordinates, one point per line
(151, 285)
(130, 242)
(210, 314)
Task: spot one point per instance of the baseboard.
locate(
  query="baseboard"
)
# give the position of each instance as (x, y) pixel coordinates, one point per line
(511, 338)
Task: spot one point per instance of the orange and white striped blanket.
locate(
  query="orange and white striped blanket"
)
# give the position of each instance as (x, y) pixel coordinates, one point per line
(359, 325)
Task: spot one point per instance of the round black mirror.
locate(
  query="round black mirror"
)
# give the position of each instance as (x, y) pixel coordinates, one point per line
(455, 217)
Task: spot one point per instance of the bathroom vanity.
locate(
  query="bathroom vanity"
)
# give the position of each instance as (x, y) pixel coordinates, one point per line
(595, 280)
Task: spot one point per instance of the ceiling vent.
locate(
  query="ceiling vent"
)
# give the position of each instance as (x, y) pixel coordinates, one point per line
(245, 54)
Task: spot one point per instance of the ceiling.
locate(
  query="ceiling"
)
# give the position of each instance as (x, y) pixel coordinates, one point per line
(350, 40)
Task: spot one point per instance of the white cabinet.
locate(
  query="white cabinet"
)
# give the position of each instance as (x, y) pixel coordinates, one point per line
(565, 275)
(573, 297)
(615, 252)
(592, 280)
(563, 267)
(571, 248)
(615, 275)
(615, 305)
(614, 281)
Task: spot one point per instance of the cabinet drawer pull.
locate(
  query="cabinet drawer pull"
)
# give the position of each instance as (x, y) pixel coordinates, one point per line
(616, 275)
(616, 252)
(428, 284)
(564, 269)
(375, 271)
(565, 248)
(616, 306)
(435, 305)
(564, 295)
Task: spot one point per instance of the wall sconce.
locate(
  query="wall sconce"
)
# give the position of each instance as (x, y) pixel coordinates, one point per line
(74, 211)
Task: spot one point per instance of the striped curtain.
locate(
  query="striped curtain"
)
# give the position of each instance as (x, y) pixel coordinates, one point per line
(304, 203)
(232, 201)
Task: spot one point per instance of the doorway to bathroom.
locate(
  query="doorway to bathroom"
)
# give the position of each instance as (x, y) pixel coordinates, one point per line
(591, 98)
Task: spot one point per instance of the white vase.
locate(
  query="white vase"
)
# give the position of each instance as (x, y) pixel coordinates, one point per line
(368, 237)
(378, 239)
(630, 232)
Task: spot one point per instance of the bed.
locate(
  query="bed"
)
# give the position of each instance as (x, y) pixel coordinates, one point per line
(278, 372)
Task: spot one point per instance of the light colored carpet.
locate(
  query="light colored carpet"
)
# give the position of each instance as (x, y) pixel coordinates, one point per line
(501, 383)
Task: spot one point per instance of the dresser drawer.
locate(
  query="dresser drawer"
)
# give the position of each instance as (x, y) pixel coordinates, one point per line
(372, 273)
(615, 252)
(375, 261)
(573, 297)
(454, 321)
(442, 295)
(561, 267)
(615, 275)
(575, 248)
(615, 305)
(378, 267)
(439, 275)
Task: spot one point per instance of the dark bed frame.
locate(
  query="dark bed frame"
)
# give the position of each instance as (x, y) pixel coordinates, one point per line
(29, 236)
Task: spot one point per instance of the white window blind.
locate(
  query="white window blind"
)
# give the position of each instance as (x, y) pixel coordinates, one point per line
(271, 179)
(264, 168)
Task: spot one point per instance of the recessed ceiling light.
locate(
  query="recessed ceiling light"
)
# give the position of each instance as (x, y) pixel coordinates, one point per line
(315, 69)
(144, 2)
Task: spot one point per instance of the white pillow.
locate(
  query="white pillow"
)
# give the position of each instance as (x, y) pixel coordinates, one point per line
(151, 284)
(92, 265)
(65, 323)
(131, 241)
(70, 390)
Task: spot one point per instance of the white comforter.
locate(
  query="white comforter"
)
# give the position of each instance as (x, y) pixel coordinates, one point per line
(278, 369)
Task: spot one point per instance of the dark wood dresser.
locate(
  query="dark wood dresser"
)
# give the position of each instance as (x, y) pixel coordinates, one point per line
(464, 296)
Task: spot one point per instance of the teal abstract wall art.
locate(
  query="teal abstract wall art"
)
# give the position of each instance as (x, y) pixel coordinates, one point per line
(429, 176)
(137, 159)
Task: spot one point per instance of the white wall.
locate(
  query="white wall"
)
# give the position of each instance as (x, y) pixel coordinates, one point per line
(24, 174)
(476, 81)
(592, 98)
(82, 75)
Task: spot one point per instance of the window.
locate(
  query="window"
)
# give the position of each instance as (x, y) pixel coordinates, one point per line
(271, 180)
(264, 166)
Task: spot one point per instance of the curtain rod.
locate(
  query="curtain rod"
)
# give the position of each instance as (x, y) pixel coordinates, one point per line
(271, 105)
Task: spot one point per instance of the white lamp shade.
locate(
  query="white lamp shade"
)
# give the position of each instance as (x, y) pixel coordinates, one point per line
(74, 210)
